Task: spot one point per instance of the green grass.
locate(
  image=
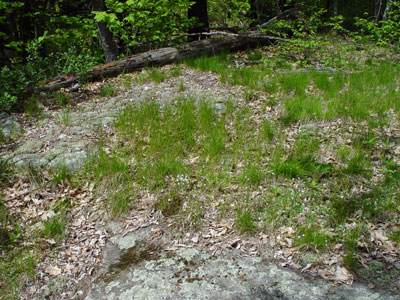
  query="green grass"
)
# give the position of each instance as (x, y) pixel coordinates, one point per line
(259, 171)
(54, 227)
(395, 237)
(296, 82)
(62, 98)
(181, 86)
(300, 161)
(300, 154)
(157, 76)
(176, 71)
(312, 236)
(108, 90)
(364, 95)
(64, 117)
(302, 108)
(112, 176)
(32, 108)
(350, 244)
(17, 268)
(17, 261)
(127, 81)
(217, 63)
(244, 221)
(169, 204)
(281, 207)
(268, 130)
(61, 175)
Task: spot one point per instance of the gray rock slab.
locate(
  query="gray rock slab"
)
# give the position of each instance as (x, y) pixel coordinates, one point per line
(9, 127)
(132, 272)
(32, 146)
(79, 131)
(29, 159)
(131, 239)
(71, 160)
(192, 274)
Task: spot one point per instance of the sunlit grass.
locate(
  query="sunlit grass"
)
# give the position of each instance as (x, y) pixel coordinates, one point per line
(255, 163)
(366, 94)
(251, 163)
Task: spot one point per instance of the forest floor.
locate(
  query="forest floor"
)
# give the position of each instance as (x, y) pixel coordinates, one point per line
(271, 155)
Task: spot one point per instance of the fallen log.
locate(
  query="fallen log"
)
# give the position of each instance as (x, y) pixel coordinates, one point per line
(163, 56)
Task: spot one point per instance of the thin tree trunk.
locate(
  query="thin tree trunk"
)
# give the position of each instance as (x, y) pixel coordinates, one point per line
(378, 7)
(199, 11)
(255, 10)
(105, 35)
(388, 8)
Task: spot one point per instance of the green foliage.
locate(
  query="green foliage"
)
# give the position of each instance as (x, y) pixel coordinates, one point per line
(386, 31)
(12, 86)
(231, 12)
(137, 21)
(15, 80)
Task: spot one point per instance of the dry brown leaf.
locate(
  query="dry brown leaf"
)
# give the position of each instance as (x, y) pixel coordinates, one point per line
(379, 235)
(50, 241)
(343, 275)
(53, 270)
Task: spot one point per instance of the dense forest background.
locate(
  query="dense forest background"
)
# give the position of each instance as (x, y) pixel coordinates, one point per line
(40, 39)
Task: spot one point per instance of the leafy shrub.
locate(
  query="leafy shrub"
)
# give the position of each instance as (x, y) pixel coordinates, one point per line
(137, 21)
(386, 31)
(16, 79)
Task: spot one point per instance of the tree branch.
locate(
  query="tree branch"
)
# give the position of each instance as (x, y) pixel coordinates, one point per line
(292, 11)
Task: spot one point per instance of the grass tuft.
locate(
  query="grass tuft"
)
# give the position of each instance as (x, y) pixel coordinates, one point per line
(244, 221)
(108, 90)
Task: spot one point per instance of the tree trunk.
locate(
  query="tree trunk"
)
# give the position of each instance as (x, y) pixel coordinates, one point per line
(335, 8)
(378, 8)
(105, 35)
(388, 8)
(163, 56)
(254, 13)
(199, 11)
